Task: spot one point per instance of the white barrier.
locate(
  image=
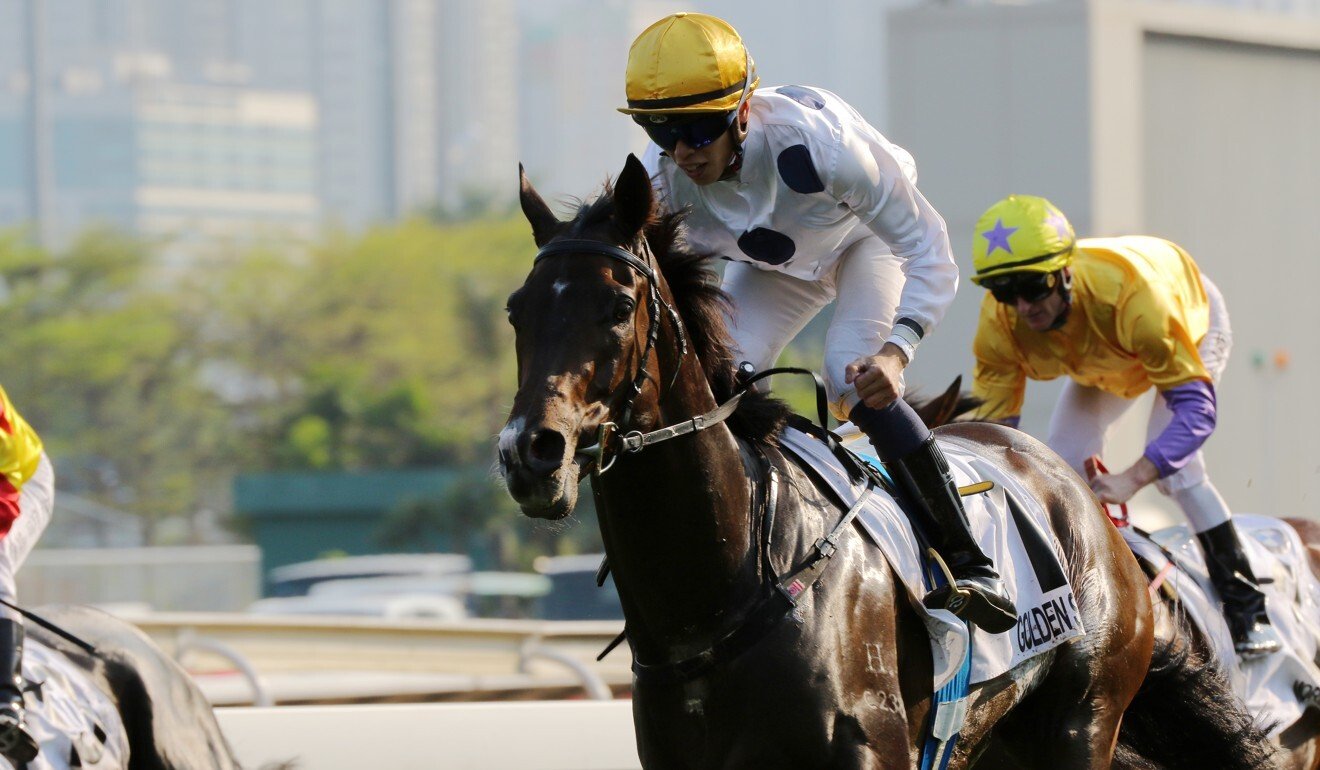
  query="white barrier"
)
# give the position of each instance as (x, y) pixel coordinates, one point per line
(437, 736)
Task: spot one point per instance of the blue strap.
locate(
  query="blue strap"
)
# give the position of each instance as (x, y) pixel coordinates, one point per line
(949, 705)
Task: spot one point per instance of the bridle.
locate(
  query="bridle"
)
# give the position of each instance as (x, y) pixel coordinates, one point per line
(634, 441)
(609, 428)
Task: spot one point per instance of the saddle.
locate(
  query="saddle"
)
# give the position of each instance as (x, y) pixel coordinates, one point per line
(1278, 687)
(74, 722)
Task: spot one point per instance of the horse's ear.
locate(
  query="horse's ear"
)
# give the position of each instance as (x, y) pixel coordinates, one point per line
(544, 222)
(633, 198)
(943, 408)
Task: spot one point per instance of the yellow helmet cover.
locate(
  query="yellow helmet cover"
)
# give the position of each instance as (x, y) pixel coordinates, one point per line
(1021, 233)
(688, 63)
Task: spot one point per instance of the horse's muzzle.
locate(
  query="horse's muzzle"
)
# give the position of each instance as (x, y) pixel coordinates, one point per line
(537, 470)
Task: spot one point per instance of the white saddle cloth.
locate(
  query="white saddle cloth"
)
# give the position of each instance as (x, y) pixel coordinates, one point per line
(69, 716)
(1276, 688)
(1021, 545)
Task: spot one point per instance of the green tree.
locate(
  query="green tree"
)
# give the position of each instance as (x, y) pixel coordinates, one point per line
(104, 362)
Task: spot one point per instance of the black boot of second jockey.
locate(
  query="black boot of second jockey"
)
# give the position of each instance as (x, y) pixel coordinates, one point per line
(16, 743)
(918, 466)
(1244, 603)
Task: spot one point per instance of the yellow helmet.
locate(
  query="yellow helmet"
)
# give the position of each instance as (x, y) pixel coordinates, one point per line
(688, 63)
(1021, 233)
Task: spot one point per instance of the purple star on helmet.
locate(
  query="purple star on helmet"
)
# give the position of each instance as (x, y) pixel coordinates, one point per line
(997, 237)
(1060, 226)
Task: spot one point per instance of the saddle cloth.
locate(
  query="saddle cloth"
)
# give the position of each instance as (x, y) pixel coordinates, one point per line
(1278, 687)
(1019, 542)
(76, 724)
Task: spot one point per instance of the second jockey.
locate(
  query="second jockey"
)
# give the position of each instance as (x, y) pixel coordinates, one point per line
(813, 206)
(1117, 316)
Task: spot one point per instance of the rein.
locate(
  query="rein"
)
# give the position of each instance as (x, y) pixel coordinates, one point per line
(51, 627)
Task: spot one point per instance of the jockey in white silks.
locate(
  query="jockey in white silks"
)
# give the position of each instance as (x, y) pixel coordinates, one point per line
(812, 205)
(27, 496)
(1117, 316)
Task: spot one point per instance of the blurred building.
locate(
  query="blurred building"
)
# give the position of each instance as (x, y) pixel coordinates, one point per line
(185, 163)
(570, 82)
(416, 105)
(1197, 124)
(479, 107)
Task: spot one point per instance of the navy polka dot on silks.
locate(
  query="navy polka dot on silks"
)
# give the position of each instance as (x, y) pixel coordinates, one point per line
(797, 170)
(768, 246)
(803, 96)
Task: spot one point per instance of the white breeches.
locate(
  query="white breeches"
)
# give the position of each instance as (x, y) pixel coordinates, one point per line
(770, 308)
(1084, 415)
(35, 503)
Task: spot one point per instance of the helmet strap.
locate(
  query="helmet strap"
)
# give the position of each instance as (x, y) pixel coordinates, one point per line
(738, 129)
(1065, 291)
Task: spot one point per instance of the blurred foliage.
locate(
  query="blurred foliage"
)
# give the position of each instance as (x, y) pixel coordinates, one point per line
(154, 384)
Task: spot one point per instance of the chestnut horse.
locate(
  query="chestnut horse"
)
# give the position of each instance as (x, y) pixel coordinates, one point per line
(619, 325)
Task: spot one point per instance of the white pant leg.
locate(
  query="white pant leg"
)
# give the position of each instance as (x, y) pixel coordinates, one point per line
(1081, 422)
(869, 280)
(1190, 486)
(35, 503)
(769, 309)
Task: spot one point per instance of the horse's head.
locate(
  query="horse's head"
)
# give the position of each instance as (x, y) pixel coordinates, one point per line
(586, 322)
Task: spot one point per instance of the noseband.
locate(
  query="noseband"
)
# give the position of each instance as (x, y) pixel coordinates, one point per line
(654, 303)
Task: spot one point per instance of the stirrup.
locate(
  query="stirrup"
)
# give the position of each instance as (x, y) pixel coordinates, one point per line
(1260, 640)
(973, 606)
(16, 743)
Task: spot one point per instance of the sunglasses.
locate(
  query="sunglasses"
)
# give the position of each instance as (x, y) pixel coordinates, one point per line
(1032, 287)
(696, 132)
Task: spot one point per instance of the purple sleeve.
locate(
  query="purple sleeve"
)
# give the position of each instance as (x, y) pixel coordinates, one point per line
(1193, 407)
(1011, 422)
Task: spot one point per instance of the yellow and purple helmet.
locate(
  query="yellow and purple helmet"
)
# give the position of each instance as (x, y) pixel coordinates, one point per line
(688, 63)
(1021, 233)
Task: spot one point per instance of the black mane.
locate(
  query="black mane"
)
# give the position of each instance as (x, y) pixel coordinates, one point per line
(703, 306)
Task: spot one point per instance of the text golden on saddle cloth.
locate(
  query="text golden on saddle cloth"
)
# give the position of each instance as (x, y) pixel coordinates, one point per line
(1011, 525)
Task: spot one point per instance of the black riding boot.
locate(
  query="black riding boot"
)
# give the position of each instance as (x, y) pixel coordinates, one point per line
(923, 475)
(16, 743)
(1244, 603)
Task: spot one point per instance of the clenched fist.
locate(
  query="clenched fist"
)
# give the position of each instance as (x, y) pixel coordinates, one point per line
(878, 378)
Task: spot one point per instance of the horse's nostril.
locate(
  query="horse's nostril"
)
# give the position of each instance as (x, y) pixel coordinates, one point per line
(547, 447)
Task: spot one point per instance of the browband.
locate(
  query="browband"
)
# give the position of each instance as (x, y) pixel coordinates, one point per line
(582, 245)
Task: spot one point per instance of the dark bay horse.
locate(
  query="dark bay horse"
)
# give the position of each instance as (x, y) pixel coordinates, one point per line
(619, 325)
(168, 722)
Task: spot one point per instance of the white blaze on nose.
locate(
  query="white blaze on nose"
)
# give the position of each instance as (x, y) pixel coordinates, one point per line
(509, 438)
(560, 286)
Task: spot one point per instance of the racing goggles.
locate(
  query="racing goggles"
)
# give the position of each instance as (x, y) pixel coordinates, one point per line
(1032, 287)
(696, 132)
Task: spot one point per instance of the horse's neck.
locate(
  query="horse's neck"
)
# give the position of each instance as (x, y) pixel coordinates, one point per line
(676, 520)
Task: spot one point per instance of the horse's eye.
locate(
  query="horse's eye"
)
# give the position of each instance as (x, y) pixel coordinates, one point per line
(623, 309)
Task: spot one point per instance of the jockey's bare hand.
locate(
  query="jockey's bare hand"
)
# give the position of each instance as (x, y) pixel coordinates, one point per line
(1118, 488)
(878, 378)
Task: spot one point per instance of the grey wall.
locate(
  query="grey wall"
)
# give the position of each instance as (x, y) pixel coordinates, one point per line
(991, 100)
(1201, 125)
(1232, 171)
